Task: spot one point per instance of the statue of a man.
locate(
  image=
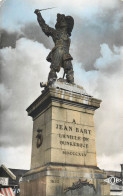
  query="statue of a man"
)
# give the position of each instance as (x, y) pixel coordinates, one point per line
(59, 56)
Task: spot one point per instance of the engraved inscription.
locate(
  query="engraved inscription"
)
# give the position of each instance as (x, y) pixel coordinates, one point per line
(61, 127)
(68, 136)
(70, 128)
(73, 137)
(74, 153)
(74, 144)
(54, 181)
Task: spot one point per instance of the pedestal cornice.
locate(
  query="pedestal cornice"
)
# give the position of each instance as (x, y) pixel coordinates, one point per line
(73, 95)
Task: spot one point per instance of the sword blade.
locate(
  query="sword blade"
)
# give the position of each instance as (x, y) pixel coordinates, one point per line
(47, 8)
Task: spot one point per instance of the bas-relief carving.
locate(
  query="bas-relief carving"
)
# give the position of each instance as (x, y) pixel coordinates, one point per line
(39, 138)
(79, 186)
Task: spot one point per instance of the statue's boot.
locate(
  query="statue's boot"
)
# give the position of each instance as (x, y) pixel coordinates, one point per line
(68, 69)
(52, 76)
(70, 76)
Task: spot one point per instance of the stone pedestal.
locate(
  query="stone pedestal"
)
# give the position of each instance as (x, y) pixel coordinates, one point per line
(63, 158)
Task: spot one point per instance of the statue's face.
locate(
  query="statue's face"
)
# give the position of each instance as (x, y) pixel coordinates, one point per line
(61, 20)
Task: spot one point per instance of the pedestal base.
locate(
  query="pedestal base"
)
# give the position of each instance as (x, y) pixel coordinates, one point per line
(56, 180)
(63, 160)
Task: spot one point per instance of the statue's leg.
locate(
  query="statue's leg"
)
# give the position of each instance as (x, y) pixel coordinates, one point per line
(52, 75)
(55, 65)
(68, 68)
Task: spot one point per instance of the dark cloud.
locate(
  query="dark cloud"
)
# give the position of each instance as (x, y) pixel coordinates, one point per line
(33, 31)
(89, 34)
(8, 39)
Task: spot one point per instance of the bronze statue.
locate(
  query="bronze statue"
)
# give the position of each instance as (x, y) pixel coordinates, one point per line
(59, 56)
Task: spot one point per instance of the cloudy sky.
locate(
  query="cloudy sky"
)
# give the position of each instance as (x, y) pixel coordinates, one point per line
(97, 49)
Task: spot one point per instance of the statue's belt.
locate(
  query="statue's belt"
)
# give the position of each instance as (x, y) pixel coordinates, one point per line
(60, 46)
(66, 56)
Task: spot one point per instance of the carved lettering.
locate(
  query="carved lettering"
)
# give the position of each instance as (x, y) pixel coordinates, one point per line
(85, 139)
(89, 131)
(61, 127)
(54, 181)
(66, 143)
(73, 137)
(71, 140)
(65, 128)
(85, 131)
(77, 130)
(81, 131)
(60, 135)
(70, 128)
(74, 153)
(74, 121)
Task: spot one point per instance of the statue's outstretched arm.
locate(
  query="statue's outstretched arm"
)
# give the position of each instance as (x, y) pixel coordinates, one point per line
(45, 28)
